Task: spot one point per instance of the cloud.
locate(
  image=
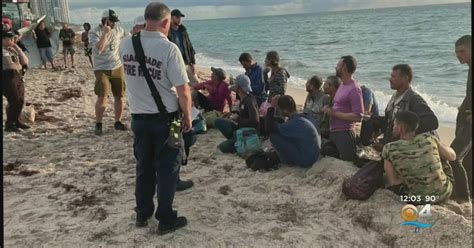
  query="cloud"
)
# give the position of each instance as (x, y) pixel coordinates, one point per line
(89, 10)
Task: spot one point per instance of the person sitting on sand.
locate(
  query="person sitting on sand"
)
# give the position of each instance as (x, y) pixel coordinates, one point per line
(346, 111)
(414, 164)
(255, 72)
(296, 141)
(316, 99)
(218, 91)
(330, 86)
(405, 98)
(247, 116)
(277, 82)
(371, 109)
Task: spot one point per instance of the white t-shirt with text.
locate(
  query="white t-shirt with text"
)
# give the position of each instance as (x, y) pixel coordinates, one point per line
(165, 65)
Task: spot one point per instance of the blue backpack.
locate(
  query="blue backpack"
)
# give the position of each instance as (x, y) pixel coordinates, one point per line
(247, 141)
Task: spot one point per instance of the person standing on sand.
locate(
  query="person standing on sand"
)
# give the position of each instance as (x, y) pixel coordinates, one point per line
(138, 25)
(158, 162)
(41, 35)
(346, 111)
(178, 34)
(462, 143)
(85, 40)
(13, 87)
(67, 35)
(108, 70)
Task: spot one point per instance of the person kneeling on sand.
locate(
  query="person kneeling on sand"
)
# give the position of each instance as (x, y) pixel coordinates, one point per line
(296, 141)
(414, 164)
(247, 115)
(316, 99)
(218, 91)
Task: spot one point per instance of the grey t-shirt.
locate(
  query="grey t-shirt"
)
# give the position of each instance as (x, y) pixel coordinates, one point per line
(166, 67)
(109, 59)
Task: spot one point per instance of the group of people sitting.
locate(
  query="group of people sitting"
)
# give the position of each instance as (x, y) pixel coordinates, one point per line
(338, 115)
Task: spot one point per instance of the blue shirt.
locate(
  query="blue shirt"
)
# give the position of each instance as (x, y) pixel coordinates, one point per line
(300, 130)
(256, 79)
(178, 39)
(369, 98)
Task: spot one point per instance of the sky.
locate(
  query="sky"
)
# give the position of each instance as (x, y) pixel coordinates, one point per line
(90, 10)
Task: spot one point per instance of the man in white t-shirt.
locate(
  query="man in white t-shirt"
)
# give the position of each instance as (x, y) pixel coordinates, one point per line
(104, 41)
(157, 162)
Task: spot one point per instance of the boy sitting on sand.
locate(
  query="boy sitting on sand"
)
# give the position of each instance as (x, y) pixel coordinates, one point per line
(296, 141)
(413, 164)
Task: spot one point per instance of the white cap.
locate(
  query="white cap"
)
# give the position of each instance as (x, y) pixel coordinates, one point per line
(139, 20)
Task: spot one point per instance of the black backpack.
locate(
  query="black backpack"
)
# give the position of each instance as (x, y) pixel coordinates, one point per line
(363, 184)
(263, 161)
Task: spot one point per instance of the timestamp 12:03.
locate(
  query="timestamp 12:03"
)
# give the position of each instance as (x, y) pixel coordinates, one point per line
(418, 198)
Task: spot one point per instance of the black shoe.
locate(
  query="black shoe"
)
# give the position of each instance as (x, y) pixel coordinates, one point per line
(184, 185)
(22, 126)
(141, 222)
(171, 227)
(11, 128)
(98, 129)
(120, 126)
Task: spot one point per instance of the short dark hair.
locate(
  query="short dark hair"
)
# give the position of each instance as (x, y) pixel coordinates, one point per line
(286, 103)
(156, 11)
(316, 81)
(350, 62)
(464, 41)
(405, 70)
(408, 119)
(245, 57)
(334, 81)
(86, 24)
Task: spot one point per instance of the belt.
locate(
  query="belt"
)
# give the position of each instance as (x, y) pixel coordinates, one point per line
(144, 117)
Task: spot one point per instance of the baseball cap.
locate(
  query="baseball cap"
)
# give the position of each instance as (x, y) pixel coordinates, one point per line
(243, 81)
(177, 12)
(139, 20)
(220, 73)
(111, 15)
(7, 34)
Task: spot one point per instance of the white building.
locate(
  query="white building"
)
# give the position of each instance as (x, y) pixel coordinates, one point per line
(56, 10)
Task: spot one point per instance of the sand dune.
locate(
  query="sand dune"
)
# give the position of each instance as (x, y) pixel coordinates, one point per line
(65, 187)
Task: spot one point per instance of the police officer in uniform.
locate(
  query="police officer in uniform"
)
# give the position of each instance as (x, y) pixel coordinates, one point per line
(13, 86)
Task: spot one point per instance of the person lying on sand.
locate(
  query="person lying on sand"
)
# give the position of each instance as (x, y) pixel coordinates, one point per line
(414, 164)
(247, 116)
(296, 141)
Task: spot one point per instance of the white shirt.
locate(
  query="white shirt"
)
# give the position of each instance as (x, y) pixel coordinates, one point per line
(166, 67)
(109, 59)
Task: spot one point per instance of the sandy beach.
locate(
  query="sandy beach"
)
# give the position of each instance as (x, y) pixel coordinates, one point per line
(65, 187)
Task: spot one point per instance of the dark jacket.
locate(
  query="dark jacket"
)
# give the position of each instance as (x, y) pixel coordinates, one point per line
(413, 102)
(466, 105)
(189, 52)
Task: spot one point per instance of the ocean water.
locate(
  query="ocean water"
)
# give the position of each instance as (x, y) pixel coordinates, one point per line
(310, 44)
